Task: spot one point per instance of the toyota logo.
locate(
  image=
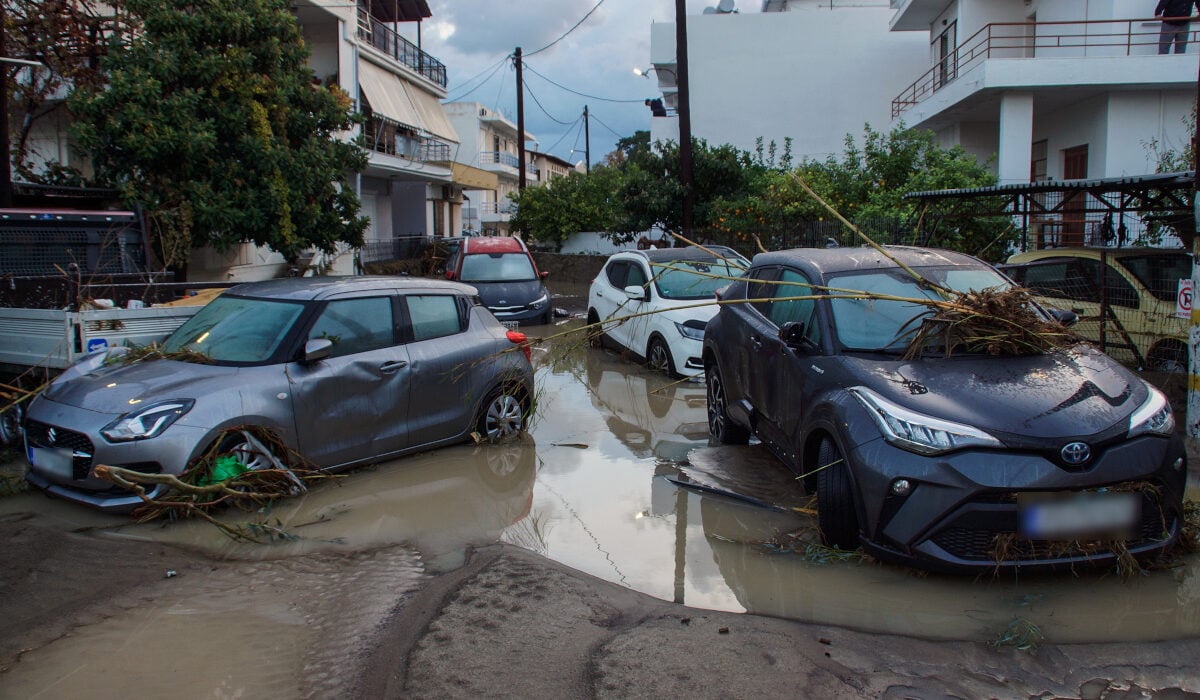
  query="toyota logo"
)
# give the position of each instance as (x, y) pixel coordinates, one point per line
(1076, 453)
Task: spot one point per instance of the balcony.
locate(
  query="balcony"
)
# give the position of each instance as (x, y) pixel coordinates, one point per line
(385, 136)
(499, 158)
(1036, 40)
(386, 40)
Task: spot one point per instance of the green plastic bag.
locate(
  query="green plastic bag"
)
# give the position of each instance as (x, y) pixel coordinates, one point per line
(225, 468)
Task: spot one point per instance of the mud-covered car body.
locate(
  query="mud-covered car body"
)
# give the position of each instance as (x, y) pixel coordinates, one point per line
(964, 462)
(340, 371)
(504, 273)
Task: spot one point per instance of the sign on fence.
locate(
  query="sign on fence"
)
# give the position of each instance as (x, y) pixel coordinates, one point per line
(1183, 299)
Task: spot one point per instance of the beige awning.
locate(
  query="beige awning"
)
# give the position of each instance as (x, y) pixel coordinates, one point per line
(433, 116)
(385, 91)
(474, 178)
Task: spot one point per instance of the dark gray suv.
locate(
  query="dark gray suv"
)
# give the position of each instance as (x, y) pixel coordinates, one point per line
(962, 463)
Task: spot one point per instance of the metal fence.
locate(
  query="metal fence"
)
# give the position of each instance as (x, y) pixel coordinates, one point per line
(46, 243)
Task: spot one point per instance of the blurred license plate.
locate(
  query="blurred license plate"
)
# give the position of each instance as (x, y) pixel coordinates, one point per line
(1081, 516)
(59, 462)
(511, 325)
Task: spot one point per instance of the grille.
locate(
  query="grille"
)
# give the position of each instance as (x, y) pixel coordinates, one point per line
(975, 543)
(38, 435)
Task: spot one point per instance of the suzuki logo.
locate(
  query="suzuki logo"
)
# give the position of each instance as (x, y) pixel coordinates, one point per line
(1076, 453)
(51, 436)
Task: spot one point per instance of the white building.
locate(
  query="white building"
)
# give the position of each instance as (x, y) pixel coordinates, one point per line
(1055, 89)
(810, 70)
(488, 142)
(409, 188)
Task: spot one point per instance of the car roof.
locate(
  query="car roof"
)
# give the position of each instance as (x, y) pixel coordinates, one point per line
(825, 261)
(1091, 252)
(687, 253)
(492, 244)
(312, 288)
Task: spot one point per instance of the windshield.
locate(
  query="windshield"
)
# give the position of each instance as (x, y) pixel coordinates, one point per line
(887, 325)
(236, 329)
(693, 279)
(497, 267)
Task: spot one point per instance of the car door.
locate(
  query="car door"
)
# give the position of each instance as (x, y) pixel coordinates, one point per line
(448, 370)
(782, 370)
(617, 305)
(760, 347)
(353, 405)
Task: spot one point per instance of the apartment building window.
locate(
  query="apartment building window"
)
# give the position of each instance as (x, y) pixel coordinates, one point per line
(1037, 161)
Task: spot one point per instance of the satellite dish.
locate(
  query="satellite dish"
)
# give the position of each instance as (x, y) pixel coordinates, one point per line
(725, 6)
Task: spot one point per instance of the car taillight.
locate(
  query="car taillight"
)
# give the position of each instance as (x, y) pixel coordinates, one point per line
(522, 340)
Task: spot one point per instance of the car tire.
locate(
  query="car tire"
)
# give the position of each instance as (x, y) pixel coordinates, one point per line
(1170, 357)
(10, 425)
(236, 444)
(548, 317)
(502, 415)
(595, 335)
(720, 427)
(835, 499)
(658, 357)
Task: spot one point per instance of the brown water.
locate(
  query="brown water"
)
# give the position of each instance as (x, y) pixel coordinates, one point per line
(589, 488)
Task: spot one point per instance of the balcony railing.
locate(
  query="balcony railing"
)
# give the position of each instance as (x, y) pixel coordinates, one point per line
(1088, 39)
(382, 37)
(385, 136)
(499, 158)
(505, 207)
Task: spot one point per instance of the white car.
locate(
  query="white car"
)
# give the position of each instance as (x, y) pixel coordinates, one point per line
(653, 302)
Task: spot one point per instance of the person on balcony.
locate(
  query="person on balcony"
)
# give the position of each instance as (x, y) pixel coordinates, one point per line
(1175, 24)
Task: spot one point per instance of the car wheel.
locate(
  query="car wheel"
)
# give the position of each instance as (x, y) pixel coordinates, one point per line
(10, 425)
(502, 416)
(720, 427)
(835, 499)
(658, 357)
(595, 336)
(236, 445)
(1169, 357)
(548, 317)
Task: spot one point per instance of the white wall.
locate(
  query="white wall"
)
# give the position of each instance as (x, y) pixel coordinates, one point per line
(1081, 123)
(811, 74)
(1150, 115)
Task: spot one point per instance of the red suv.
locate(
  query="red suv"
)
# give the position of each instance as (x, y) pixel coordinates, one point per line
(508, 281)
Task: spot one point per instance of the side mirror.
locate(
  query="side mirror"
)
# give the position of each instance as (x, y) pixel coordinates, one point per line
(635, 291)
(544, 274)
(449, 274)
(794, 335)
(1064, 316)
(317, 349)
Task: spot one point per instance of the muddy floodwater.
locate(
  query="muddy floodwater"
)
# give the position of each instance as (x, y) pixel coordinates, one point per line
(594, 486)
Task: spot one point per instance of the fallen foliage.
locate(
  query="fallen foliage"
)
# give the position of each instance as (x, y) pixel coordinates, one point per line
(989, 321)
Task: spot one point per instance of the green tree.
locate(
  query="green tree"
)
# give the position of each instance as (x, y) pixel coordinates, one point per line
(567, 205)
(211, 121)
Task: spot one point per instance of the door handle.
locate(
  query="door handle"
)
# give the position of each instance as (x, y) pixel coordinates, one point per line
(392, 367)
(756, 342)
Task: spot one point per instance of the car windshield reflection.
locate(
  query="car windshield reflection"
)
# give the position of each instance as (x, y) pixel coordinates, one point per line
(236, 330)
(693, 279)
(887, 325)
(497, 267)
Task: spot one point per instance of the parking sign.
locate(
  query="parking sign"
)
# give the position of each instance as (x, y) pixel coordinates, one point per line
(1183, 299)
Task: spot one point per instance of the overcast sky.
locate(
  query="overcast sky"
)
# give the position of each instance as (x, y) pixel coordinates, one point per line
(593, 65)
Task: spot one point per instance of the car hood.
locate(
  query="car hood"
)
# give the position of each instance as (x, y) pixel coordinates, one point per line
(1020, 400)
(117, 388)
(520, 293)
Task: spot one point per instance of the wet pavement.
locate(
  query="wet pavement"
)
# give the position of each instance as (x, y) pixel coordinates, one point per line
(596, 485)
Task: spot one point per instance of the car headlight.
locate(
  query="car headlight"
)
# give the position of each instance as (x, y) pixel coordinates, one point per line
(691, 329)
(917, 432)
(147, 422)
(1154, 416)
(541, 301)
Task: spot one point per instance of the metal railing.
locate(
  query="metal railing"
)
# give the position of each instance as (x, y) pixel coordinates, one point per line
(382, 37)
(397, 248)
(505, 207)
(1031, 40)
(385, 136)
(499, 158)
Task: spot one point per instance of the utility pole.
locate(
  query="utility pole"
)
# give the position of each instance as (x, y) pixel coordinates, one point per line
(520, 123)
(5, 155)
(1193, 395)
(685, 119)
(587, 142)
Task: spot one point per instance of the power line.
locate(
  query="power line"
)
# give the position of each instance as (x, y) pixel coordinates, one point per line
(564, 135)
(576, 92)
(493, 68)
(606, 126)
(539, 104)
(564, 36)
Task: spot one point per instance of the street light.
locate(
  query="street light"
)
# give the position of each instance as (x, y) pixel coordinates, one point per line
(645, 72)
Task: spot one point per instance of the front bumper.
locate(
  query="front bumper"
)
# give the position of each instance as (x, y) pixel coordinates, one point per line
(962, 513)
(521, 314)
(63, 443)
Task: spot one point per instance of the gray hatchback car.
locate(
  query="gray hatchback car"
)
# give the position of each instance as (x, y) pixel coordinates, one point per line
(341, 371)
